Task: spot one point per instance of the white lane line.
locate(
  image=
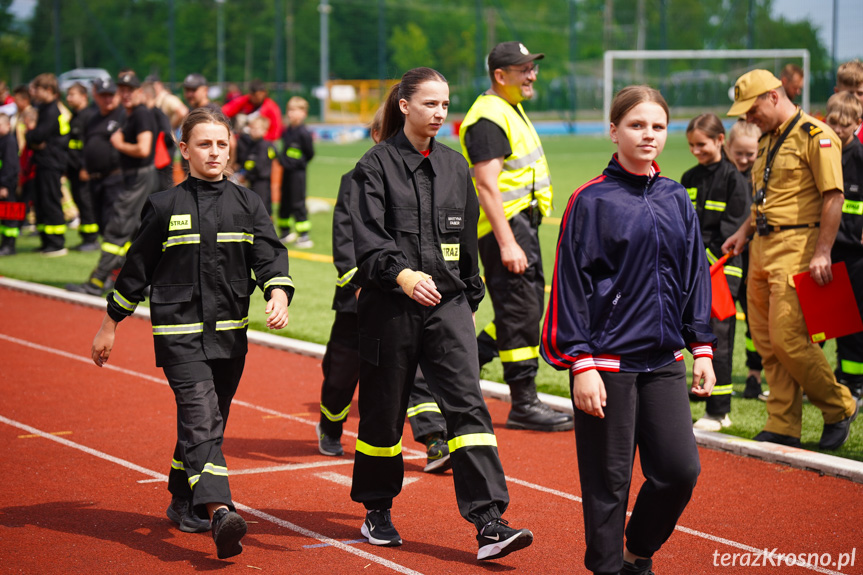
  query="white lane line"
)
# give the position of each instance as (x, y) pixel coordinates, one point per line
(337, 478)
(416, 454)
(245, 508)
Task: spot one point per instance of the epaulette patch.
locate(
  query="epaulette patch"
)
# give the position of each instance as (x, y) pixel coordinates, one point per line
(811, 129)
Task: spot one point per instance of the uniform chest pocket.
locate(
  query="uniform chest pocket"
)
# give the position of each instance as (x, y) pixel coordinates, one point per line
(177, 293)
(403, 220)
(787, 159)
(450, 220)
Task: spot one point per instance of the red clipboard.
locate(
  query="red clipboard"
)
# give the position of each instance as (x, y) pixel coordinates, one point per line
(722, 304)
(831, 310)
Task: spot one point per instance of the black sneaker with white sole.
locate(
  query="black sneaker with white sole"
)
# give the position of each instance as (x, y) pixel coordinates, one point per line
(327, 445)
(497, 539)
(228, 529)
(378, 528)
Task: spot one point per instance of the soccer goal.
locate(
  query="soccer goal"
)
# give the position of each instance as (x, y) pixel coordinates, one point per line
(716, 81)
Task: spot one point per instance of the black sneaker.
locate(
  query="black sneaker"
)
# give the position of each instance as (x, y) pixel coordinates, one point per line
(753, 388)
(836, 434)
(328, 445)
(497, 539)
(87, 287)
(640, 567)
(379, 530)
(180, 512)
(771, 437)
(228, 529)
(437, 451)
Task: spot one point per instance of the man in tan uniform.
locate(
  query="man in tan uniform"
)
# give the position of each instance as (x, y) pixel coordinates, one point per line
(797, 185)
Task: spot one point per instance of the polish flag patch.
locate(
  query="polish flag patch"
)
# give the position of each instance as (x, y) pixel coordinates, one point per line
(825, 142)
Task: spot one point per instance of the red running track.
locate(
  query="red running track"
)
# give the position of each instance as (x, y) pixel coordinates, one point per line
(85, 453)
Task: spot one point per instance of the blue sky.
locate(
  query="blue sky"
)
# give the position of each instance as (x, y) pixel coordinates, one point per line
(819, 12)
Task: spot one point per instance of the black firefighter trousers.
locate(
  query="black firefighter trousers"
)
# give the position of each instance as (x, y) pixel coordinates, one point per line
(203, 391)
(396, 335)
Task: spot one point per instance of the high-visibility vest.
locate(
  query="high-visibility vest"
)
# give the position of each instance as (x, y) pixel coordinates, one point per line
(525, 170)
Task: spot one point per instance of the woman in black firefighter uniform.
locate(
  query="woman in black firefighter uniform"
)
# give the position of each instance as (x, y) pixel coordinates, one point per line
(414, 215)
(197, 246)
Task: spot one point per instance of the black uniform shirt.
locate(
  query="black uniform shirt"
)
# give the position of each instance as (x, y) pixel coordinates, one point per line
(77, 126)
(140, 120)
(256, 157)
(344, 258)
(9, 165)
(848, 238)
(409, 211)
(100, 157)
(297, 148)
(53, 131)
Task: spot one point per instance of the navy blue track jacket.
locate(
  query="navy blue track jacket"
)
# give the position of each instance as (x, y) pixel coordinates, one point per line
(631, 283)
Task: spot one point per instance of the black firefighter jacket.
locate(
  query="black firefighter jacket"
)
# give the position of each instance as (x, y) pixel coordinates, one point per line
(197, 246)
(409, 211)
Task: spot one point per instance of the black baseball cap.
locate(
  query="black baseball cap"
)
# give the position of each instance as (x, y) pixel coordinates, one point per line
(104, 86)
(194, 81)
(129, 79)
(510, 54)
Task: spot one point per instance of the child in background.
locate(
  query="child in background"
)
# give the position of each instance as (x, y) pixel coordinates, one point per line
(741, 147)
(720, 197)
(297, 151)
(9, 168)
(198, 245)
(255, 156)
(625, 299)
(844, 112)
(849, 78)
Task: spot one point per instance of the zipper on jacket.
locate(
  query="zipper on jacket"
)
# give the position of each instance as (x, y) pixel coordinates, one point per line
(656, 262)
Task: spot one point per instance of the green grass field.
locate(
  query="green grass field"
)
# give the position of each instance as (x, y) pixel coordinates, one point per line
(573, 161)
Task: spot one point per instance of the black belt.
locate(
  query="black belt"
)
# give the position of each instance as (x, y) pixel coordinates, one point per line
(791, 227)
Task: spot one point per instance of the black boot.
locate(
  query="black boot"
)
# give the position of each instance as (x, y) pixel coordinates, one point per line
(528, 412)
(7, 248)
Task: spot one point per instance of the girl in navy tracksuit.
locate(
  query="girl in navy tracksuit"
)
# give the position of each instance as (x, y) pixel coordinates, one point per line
(631, 288)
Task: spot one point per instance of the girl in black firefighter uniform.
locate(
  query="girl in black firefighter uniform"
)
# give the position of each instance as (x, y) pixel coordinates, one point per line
(720, 196)
(414, 216)
(197, 246)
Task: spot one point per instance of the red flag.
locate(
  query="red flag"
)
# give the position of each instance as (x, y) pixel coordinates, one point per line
(722, 306)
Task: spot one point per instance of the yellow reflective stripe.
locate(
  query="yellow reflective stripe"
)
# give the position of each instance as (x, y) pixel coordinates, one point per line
(722, 390)
(524, 161)
(123, 302)
(303, 226)
(294, 153)
(693, 193)
(181, 240)
(852, 207)
(519, 354)
(491, 330)
(249, 165)
(285, 222)
(472, 439)
(711, 259)
(734, 271)
(76, 145)
(178, 465)
(271, 153)
(346, 278)
(279, 281)
(750, 345)
(10, 232)
(54, 230)
(422, 408)
(194, 479)
(89, 228)
(215, 469)
(715, 206)
(178, 329)
(115, 249)
(335, 417)
(523, 191)
(851, 367)
(372, 451)
(225, 325)
(235, 237)
(64, 124)
(97, 282)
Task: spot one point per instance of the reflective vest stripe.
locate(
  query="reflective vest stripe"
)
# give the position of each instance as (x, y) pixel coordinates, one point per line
(722, 390)
(346, 278)
(750, 345)
(116, 250)
(181, 240)
(76, 145)
(519, 354)
(124, 302)
(423, 408)
(524, 191)
(491, 330)
(179, 329)
(734, 271)
(693, 194)
(523, 162)
(278, 281)
(225, 325)
(294, 153)
(372, 451)
(303, 226)
(212, 470)
(472, 439)
(234, 237)
(271, 153)
(10, 232)
(711, 259)
(335, 417)
(715, 206)
(53, 230)
(249, 165)
(851, 367)
(178, 465)
(852, 207)
(63, 121)
(89, 228)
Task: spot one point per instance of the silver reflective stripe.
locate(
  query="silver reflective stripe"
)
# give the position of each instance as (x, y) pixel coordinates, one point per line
(232, 324)
(234, 237)
(524, 161)
(279, 281)
(179, 329)
(346, 279)
(180, 240)
(123, 302)
(516, 193)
